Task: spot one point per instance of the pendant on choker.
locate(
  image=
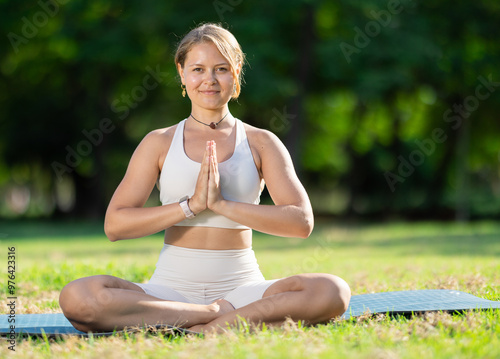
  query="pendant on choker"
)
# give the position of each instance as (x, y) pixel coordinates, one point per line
(212, 125)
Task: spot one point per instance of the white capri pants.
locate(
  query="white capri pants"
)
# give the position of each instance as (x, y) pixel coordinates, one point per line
(201, 276)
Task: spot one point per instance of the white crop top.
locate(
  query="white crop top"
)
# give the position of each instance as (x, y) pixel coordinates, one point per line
(239, 178)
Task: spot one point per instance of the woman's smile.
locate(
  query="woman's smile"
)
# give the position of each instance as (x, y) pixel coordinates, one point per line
(210, 92)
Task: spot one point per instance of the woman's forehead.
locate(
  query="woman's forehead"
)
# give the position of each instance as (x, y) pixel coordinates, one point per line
(205, 53)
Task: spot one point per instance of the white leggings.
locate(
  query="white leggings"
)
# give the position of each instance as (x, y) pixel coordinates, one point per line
(202, 276)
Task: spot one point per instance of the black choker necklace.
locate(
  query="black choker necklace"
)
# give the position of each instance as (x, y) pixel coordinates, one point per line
(212, 125)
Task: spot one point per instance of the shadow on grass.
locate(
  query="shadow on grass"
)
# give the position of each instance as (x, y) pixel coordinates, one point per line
(366, 238)
(31, 229)
(453, 245)
(71, 239)
(405, 244)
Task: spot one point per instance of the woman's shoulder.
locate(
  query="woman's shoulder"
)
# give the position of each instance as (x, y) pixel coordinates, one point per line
(162, 133)
(155, 144)
(263, 140)
(260, 137)
(160, 136)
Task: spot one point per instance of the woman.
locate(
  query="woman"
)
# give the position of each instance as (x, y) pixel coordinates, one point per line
(211, 169)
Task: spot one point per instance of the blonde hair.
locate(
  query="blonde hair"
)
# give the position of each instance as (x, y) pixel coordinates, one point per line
(226, 43)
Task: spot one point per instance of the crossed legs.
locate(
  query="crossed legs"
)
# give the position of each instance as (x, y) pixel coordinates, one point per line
(312, 298)
(105, 303)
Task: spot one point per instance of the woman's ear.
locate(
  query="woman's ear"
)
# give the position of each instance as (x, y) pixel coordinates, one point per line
(181, 73)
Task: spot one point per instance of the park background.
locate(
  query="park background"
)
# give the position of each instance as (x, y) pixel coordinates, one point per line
(390, 109)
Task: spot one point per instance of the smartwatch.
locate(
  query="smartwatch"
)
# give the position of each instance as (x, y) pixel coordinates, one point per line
(183, 202)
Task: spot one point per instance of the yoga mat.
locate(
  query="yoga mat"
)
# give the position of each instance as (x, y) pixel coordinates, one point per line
(401, 302)
(416, 301)
(56, 324)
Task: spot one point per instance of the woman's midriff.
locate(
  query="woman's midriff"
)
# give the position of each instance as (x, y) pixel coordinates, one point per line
(208, 237)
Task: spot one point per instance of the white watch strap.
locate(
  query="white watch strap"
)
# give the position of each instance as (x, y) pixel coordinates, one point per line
(185, 207)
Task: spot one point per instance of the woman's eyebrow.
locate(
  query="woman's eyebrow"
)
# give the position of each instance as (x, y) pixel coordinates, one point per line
(201, 65)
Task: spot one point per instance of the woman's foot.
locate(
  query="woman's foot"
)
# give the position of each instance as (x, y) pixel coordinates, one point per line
(221, 307)
(224, 306)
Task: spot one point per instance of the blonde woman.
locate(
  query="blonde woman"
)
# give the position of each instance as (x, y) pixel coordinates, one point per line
(211, 168)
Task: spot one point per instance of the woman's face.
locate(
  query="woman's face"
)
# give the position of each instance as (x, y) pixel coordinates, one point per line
(207, 76)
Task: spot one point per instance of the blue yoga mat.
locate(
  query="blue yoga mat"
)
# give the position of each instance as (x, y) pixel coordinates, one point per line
(416, 301)
(56, 324)
(401, 302)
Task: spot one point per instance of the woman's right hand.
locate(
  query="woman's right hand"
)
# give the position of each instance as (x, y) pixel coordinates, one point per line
(198, 202)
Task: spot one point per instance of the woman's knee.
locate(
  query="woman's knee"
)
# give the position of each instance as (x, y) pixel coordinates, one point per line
(83, 300)
(332, 294)
(341, 294)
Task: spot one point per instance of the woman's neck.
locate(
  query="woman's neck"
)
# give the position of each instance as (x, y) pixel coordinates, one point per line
(209, 116)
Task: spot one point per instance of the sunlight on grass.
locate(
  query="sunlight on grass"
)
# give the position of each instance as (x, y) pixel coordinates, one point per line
(371, 258)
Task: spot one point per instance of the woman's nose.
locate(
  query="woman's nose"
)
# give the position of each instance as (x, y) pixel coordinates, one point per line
(210, 77)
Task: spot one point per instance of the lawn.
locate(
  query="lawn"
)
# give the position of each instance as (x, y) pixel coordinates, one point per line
(370, 257)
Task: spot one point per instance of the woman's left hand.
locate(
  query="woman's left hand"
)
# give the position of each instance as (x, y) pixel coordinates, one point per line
(214, 197)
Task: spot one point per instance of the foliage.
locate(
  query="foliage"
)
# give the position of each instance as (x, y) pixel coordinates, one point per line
(356, 90)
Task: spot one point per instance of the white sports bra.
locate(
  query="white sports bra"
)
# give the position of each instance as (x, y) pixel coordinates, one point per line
(239, 178)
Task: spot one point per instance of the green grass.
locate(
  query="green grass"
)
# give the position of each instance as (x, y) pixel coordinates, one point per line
(370, 257)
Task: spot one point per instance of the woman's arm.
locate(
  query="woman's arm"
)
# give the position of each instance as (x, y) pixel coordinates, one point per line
(291, 215)
(126, 218)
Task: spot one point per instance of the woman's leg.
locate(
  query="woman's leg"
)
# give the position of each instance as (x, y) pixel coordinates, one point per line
(106, 303)
(312, 298)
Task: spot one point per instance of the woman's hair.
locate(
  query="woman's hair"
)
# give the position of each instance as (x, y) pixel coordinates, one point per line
(225, 42)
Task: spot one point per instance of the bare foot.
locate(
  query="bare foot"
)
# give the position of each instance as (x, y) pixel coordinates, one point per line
(221, 307)
(224, 306)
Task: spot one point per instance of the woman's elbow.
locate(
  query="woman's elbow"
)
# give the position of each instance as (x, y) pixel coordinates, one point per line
(110, 231)
(306, 227)
(111, 235)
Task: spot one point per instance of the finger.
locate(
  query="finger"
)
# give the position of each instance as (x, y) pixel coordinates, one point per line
(212, 166)
(213, 179)
(210, 154)
(206, 153)
(202, 181)
(205, 163)
(209, 148)
(214, 190)
(214, 151)
(215, 167)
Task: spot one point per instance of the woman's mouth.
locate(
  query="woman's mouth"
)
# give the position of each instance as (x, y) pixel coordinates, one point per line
(211, 92)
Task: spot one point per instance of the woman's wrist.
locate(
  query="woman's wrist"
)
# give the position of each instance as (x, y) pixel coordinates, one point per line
(219, 207)
(194, 207)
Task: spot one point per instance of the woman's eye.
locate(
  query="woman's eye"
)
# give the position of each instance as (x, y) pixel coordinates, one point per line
(222, 69)
(197, 69)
